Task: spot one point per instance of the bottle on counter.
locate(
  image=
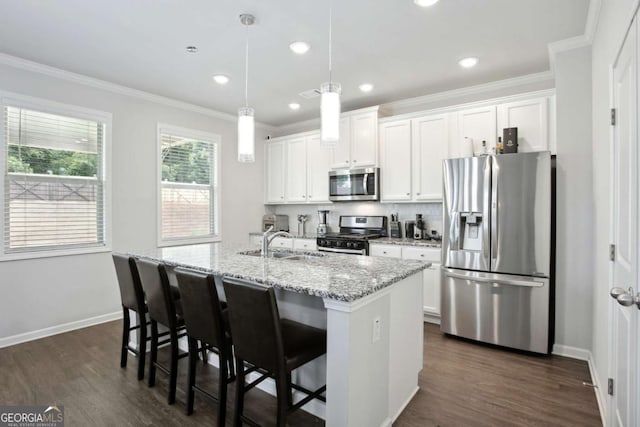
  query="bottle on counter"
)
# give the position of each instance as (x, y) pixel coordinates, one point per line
(499, 146)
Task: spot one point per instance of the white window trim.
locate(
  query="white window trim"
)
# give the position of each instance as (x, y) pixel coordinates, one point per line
(195, 134)
(52, 107)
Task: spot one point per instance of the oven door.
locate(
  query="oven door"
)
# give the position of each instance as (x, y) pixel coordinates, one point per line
(354, 184)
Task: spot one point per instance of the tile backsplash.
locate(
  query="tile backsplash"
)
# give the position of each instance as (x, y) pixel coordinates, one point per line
(431, 213)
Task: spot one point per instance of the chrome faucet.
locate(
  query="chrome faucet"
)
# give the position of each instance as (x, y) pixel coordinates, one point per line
(267, 238)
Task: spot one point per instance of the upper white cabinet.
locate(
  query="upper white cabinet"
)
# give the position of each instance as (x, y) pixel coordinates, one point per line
(430, 145)
(531, 117)
(275, 172)
(395, 161)
(318, 165)
(474, 126)
(296, 166)
(358, 145)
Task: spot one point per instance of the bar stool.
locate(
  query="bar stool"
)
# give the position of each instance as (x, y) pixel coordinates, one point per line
(132, 297)
(272, 346)
(204, 318)
(165, 310)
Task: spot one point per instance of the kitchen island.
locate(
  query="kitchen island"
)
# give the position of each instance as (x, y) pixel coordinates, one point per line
(371, 308)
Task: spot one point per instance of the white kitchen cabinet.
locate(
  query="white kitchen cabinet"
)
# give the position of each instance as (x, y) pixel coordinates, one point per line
(395, 161)
(304, 244)
(282, 243)
(531, 117)
(255, 240)
(389, 251)
(430, 145)
(358, 145)
(318, 165)
(275, 172)
(296, 167)
(430, 277)
(476, 125)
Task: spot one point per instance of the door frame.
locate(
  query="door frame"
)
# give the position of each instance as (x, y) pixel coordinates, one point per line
(608, 418)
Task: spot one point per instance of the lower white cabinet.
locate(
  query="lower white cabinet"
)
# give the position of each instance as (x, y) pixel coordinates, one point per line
(282, 242)
(255, 240)
(304, 244)
(430, 277)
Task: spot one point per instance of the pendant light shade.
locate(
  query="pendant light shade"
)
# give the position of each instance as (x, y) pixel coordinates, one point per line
(330, 113)
(246, 135)
(330, 101)
(246, 124)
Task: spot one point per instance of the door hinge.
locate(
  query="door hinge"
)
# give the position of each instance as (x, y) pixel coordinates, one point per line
(610, 386)
(612, 252)
(613, 117)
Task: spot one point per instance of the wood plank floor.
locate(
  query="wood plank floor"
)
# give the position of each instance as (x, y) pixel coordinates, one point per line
(462, 384)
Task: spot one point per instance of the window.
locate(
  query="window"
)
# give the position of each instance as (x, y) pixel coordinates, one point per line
(188, 193)
(53, 161)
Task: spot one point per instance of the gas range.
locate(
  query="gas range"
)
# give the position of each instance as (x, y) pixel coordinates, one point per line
(354, 236)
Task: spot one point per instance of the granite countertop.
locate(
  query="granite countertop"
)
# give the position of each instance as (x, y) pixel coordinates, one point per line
(292, 236)
(333, 276)
(408, 242)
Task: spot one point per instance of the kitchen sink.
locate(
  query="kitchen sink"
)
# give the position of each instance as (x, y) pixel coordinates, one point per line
(288, 255)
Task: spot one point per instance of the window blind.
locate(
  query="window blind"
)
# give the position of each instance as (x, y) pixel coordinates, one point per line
(54, 181)
(188, 188)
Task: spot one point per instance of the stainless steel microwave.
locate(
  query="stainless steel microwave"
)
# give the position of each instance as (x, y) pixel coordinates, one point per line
(354, 184)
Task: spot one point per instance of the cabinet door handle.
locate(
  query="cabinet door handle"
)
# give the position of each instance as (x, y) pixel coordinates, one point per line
(310, 196)
(347, 161)
(354, 161)
(422, 255)
(417, 194)
(282, 197)
(408, 194)
(384, 252)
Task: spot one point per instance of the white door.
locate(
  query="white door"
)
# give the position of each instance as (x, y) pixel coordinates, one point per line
(477, 125)
(275, 171)
(624, 189)
(430, 146)
(318, 165)
(296, 188)
(342, 152)
(395, 161)
(364, 135)
(531, 117)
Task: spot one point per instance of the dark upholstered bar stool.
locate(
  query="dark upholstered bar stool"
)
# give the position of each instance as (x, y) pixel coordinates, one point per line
(204, 318)
(271, 345)
(165, 310)
(132, 298)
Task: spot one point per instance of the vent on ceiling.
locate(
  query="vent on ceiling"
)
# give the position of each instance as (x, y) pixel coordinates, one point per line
(311, 93)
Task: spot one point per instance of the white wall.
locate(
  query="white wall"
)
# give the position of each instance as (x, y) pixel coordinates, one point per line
(44, 293)
(615, 16)
(574, 199)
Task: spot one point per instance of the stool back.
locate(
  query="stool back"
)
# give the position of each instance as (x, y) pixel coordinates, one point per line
(155, 283)
(131, 292)
(201, 307)
(255, 323)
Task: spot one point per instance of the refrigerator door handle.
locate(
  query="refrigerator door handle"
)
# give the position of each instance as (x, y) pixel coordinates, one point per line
(512, 282)
(487, 206)
(494, 215)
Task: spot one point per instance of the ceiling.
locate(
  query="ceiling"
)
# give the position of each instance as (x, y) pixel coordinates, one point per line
(403, 49)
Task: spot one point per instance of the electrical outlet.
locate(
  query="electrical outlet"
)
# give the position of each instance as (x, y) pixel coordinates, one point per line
(375, 337)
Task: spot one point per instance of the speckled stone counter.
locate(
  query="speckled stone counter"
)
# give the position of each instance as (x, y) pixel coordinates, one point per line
(332, 276)
(408, 242)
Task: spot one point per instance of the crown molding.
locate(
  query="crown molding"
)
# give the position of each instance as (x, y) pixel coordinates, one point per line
(584, 40)
(24, 64)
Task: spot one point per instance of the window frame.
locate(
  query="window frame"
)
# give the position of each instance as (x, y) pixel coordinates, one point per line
(9, 99)
(211, 138)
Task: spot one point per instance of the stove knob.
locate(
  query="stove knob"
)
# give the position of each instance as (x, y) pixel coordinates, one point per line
(339, 244)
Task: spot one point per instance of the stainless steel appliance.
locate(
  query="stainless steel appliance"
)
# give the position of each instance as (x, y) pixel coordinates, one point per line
(355, 233)
(354, 184)
(409, 227)
(302, 219)
(278, 222)
(418, 230)
(323, 228)
(395, 227)
(496, 250)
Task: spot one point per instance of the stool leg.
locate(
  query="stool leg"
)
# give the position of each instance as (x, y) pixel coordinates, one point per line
(193, 358)
(223, 363)
(154, 353)
(282, 389)
(142, 344)
(237, 416)
(126, 324)
(173, 372)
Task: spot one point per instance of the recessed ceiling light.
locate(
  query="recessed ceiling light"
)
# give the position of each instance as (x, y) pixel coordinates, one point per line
(468, 62)
(299, 47)
(221, 79)
(425, 3)
(192, 49)
(366, 87)
(294, 106)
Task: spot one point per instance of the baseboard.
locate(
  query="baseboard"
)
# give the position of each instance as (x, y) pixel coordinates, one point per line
(572, 352)
(314, 407)
(58, 329)
(601, 398)
(430, 318)
(404, 405)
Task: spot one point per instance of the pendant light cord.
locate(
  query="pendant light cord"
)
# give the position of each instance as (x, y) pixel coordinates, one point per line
(330, 37)
(246, 73)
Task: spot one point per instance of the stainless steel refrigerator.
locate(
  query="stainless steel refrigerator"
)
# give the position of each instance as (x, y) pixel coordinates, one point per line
(496, 250)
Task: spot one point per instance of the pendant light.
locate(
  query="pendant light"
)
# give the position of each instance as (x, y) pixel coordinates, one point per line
(246, 124)
(330, 102)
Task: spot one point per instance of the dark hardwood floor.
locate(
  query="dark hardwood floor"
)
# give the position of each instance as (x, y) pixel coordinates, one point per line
(462, 384)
